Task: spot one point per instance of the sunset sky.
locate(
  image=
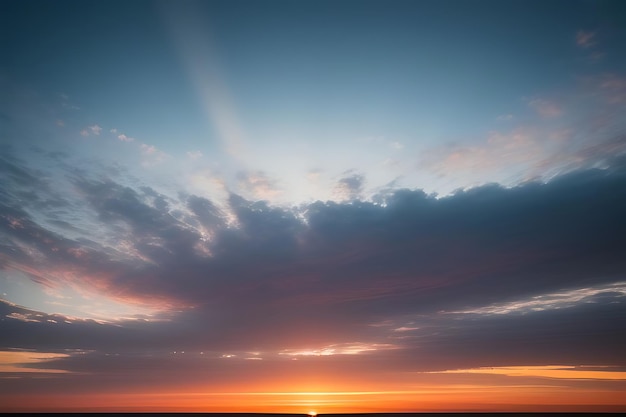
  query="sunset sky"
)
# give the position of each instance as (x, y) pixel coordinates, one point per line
(287, 206)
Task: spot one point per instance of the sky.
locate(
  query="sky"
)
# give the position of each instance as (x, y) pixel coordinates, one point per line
(330, 206)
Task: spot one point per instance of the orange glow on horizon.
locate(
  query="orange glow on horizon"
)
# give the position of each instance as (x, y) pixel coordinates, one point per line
(469, 399)
(301, 389)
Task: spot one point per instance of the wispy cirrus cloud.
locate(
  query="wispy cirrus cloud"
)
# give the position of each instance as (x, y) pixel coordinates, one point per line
(545, 108)
(585, 39)
(194, 154)
(588, 41)
(505, 155)
(614, 87)
(557, 300)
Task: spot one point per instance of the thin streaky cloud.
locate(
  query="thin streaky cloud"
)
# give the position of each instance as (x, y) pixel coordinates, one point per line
(546, 108)
(194, 154)
(585, 39)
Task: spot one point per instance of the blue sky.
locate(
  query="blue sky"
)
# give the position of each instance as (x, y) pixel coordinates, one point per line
(391, 168)
(288, 90)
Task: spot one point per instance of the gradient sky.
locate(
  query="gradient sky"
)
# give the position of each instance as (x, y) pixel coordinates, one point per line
(340, 206)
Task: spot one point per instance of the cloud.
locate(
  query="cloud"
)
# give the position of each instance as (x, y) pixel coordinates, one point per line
(532, 339)
(147, 149)
(556, 372)
(505, 117)
(602, 153)
(502, 155)
(91, 130)
(313, 175)
(553, 301)
(125, 138)
(420, 263)
(340, 349)
(194, 154)
(545, 108)
(150, 155)
(350, 187)
(258, 185)
(24, 362)
(614, 87)
(206, 212)
(585, 39)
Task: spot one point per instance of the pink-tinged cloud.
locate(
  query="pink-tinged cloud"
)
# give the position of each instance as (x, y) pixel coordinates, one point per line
(585, 39)
(500, 153)
(95, 129)
(545, 108)
(125, 138)
(84, 133)
(614, 87)
(151, 155)
(147, 149)
(258, 185)
(349, 187)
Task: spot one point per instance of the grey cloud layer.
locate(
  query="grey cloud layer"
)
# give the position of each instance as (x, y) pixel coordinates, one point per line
(274, 281)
